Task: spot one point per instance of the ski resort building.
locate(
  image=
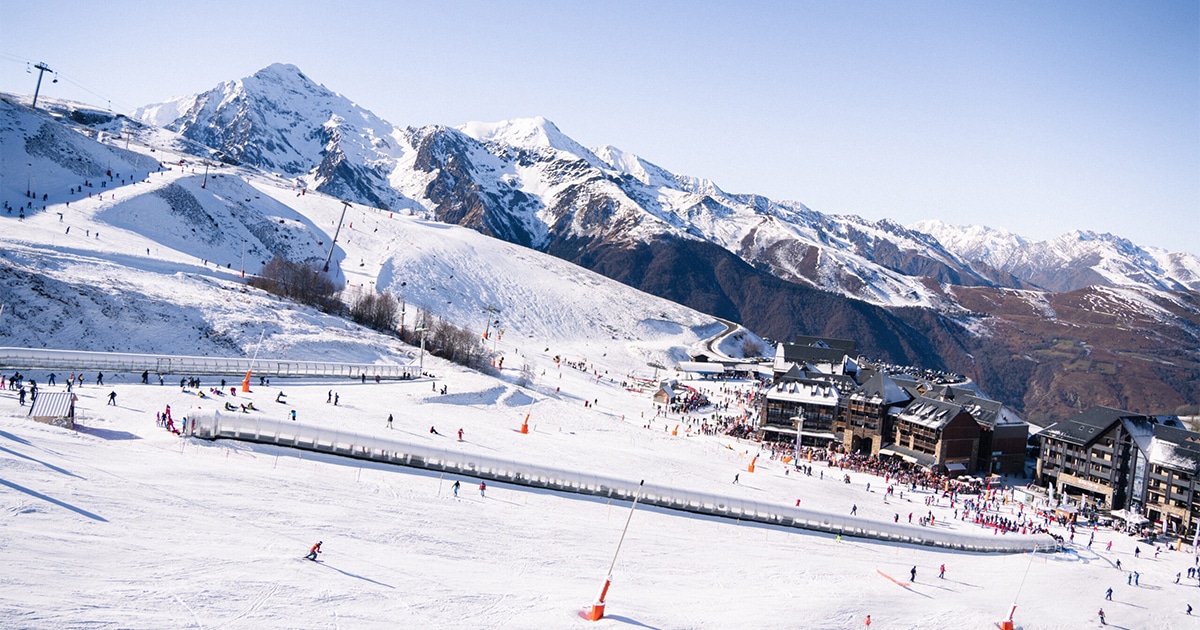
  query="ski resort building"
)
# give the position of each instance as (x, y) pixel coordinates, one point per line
(936, 433)
(803, 406)
(1099, 455)
(869, 411)
(1173, 488)
(863, 409)
(829, 356)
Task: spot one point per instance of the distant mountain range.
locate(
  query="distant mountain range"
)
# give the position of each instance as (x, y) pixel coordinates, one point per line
(1048, 327)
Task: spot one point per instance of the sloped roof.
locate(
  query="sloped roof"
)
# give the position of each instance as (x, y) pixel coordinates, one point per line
(701, 367)
(849, 365)
(793, 353)
(930, 412)
(849, 345)
(1085, 427)
(52, 405)
(988, 412)
(1178, 449)
(793, 373)
(886, 389)
(805, 391)
(916, 457)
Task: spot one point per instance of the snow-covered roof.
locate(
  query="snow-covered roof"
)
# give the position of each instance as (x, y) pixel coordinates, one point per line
(882, 386)
(701, 367)
(1178, 449)
(931, 413)
(810, 392)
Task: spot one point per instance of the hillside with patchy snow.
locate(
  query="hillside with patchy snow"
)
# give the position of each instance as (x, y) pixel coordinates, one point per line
(152, 261)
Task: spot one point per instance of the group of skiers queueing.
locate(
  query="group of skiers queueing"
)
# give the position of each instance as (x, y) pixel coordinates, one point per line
(16, 383)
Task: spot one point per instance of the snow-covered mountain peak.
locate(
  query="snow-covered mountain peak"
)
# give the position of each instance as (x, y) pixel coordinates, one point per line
(1071, 261)
(535, 133)
(653, 175)
(281, 73)
(281, 120)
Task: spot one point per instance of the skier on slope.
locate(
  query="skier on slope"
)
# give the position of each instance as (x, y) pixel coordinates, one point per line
(312, 553)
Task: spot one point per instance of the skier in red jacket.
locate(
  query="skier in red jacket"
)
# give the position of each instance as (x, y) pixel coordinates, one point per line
(312, 553)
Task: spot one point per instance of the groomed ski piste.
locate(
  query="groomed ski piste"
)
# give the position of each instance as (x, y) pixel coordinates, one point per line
(122, 524)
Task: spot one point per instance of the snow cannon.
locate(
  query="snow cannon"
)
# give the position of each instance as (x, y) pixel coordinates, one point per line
(246, 383)
(596, 612)
(525, 425)
(1007, 624)
(675, 431)
(750, 468)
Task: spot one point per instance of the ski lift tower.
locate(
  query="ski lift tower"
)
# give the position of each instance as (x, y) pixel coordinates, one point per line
(345, 205)
(42, 68)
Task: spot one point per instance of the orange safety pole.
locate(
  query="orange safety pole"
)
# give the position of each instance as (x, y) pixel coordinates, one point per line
(596, 612)
(525, 425)
(750, 468)
(246, 382)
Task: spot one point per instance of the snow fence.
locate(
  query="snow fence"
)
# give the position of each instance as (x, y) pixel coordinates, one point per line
(215, 425)
(63, 360)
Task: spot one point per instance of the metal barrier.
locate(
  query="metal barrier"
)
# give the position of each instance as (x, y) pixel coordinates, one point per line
(251, 428)
(45, 359)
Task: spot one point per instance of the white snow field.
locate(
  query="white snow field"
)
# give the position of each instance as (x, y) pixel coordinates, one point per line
(121, 524)
(124, 525)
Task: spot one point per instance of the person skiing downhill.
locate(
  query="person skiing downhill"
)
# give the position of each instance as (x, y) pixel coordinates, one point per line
(913, 573)
(455, 487)
(312, 553)
(482, 488)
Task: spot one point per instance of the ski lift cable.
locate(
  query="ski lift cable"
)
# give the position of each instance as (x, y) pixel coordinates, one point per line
(68, 79)
(89, 90)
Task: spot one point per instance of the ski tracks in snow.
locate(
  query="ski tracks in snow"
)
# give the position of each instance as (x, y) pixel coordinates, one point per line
(255, 604)
(195, 617)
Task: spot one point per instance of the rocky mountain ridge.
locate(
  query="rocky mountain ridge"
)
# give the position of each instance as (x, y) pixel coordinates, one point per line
(776, 266)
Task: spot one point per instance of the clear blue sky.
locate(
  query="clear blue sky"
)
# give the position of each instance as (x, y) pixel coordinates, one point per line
(1037, 117)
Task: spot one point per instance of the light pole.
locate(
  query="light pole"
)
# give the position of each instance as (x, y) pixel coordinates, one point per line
(403, 303)
(799, 429)
(422, 329)
(243, 258)
(28, 178)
